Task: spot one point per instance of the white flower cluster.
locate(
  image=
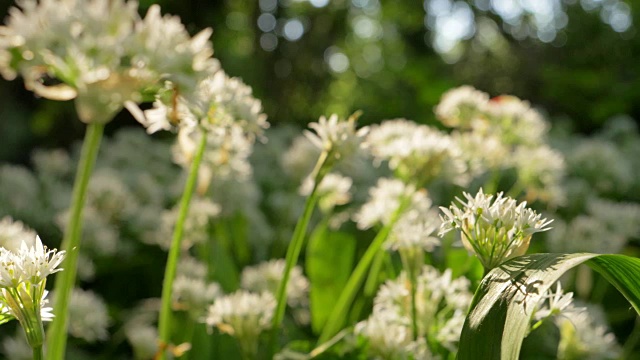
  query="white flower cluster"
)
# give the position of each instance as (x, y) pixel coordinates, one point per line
(417, 153)
(384, 200)
(88, 316)
(494, 229)
(102, 51)
(191, 290)
(339, 138)
(556, 303)
(267, 276)
(584, 335)
(441, 304)
(243, 314)
(332, 191)
(504, 133)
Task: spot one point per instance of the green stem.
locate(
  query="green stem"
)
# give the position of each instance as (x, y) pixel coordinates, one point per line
(295, 247)
(164, 321)
(371, 284)
(37, 353)
(71, 243)
(339, 314)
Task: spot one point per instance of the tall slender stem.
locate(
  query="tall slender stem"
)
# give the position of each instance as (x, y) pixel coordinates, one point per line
(164, 322)
(37, 353)
(65, 281)
(339, 313)
(295, 247)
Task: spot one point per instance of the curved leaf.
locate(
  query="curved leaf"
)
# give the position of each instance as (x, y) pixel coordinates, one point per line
(503, 304)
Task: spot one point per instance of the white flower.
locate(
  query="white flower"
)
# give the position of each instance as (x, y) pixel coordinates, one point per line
(339, 138)
(556, 303)
(101, 51)
(196, 227)
(88, 316)
(584, 335)
(515, 121)
(481, 152)
(243, 315)
(266, 276)
(458, 107)
(416, 228)
(494, 229)
(36, 261)
(194, 294)
(416, 153)
(332, 191)
(389, 337)
(13, 233)
(385, 199)
(541, 171)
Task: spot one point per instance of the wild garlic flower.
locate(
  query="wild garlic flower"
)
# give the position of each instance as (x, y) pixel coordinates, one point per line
(101, 51)
(338, 138)
(494, 229)
(194, 294)
(332, 191)
(416, 228)
(14, 233)
(481, 152)
(23, 276)
(416, 153)
(384, 200)
(88, 316)
(458, 107)
(585, 335)
(243, 315)
(556, 303)
(196, 227)
(441, 304)
(541, 171)
(516, 121)
(389, 338)
(267, 275)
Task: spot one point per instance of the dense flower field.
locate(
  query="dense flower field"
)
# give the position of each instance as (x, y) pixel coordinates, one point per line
(205, 233)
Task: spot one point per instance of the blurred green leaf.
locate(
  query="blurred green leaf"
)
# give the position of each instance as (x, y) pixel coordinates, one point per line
(329, 262)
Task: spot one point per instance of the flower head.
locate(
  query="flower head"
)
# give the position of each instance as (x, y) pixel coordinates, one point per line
(101, 51)
(267, 276)
(494, 229)
(338, 138)
(460, 106)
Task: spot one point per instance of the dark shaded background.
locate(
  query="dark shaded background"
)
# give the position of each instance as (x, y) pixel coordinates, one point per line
(579, 63)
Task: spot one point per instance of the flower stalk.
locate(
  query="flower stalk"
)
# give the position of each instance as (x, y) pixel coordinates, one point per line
(71, 242)
(164, 321)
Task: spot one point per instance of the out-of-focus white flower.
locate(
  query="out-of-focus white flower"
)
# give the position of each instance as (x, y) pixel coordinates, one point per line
(88, 316)
(458, 107)
(416, 228)
(299, 159)
(16, 347)
(196, 227)
(143, 339)
(194, 294)
(481, 152)
(416, 153)
(332, 191)
(495, 230)
(101, 51)
(338, 138)
(584, 335)
(441, 304)
(515, 121)
(384, 200)
(389, 337)
(243, 315)
(266, 276)
(14, 233)
(541, 172)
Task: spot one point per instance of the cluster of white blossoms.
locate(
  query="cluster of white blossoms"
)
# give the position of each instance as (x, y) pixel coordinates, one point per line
(88, 316)
(332, 191)
(555, 303)
(504, 133)
(338, 138)
(267, 276)
(441, 304)
(416, 153)
(384, 200)
(101, 51)
(585, 335)
(244, 315)
(495, 229)
(191, 290)
(23, 276)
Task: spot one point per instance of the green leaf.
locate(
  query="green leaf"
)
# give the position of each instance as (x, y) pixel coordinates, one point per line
(330, 256)
(503, 304)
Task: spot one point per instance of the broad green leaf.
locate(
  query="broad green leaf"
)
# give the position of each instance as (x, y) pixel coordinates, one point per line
(503, 304)
(330, 256)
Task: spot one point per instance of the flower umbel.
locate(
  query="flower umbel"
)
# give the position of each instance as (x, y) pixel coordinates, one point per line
(494, 229)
